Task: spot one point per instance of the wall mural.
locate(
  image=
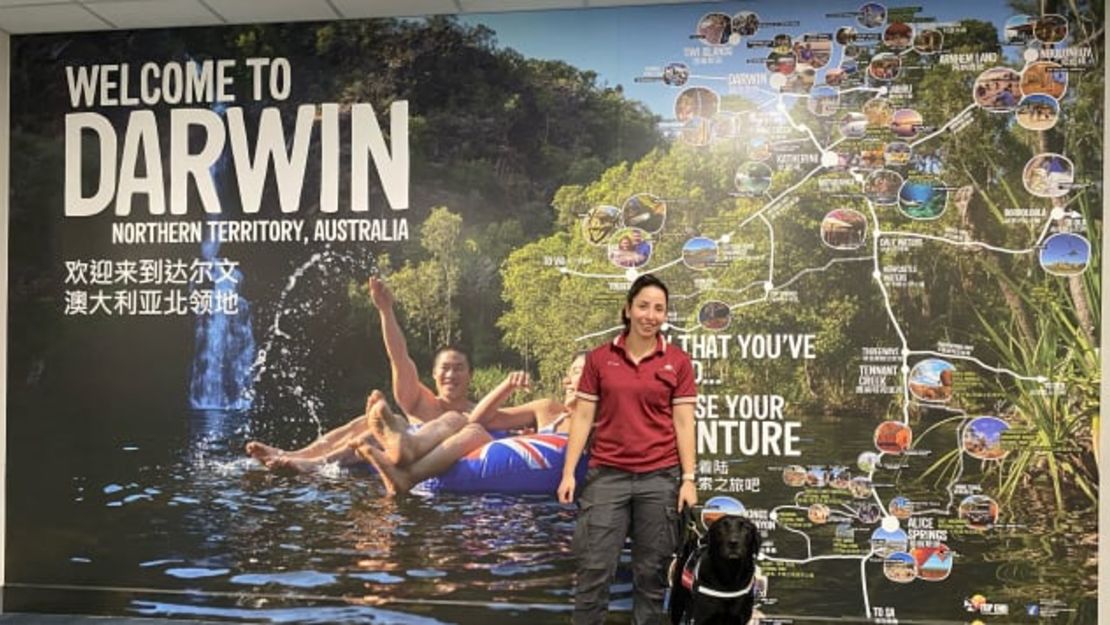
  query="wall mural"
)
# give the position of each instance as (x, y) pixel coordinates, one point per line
(880, 225)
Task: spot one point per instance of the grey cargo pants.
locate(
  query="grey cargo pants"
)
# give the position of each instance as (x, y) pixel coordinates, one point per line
(615, 504)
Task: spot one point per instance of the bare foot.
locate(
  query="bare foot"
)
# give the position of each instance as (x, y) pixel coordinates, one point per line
(398, 422)
(262, 452)
(394, 479)
(384, 428)
(288, 464)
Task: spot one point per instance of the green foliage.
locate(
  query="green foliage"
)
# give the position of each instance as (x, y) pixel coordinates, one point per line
(549, 309)
(448, 293)
(1018, 316)
(1063, 419)
(427, 290)
(485, 379)
(498, 131)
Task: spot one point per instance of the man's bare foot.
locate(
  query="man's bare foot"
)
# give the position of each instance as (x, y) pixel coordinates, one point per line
(262, 452)
(394, 479)
(396, 422)
(287, 464)
(384, 428)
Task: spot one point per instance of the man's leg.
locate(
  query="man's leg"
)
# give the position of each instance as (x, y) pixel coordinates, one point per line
(599, 536)
(262, 452)
(654, 535)
(325, 444)
(434, 433)
(337, 438)
(402, 479)
(343, 456)
(402, 447)
(332, 441)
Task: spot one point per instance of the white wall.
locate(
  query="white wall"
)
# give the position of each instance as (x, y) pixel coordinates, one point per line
(5, 132)
(5, 91)
(1104, 393)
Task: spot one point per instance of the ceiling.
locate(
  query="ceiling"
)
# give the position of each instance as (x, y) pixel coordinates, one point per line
(48, 16)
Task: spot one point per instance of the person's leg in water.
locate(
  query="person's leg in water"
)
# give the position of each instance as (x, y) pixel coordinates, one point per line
(400, 446)
(399, 479)
(378, 423)
(330, 441)
(335, 449)
(262, 452)
(342, 457)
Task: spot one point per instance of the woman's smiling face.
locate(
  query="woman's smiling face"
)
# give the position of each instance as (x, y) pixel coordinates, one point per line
(647, 312)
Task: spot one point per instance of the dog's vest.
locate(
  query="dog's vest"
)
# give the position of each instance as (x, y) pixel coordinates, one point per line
(690, 578)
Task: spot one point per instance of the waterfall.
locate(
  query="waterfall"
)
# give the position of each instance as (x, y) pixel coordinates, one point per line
(220, 378)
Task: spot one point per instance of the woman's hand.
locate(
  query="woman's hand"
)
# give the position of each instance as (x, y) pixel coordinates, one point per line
(565, 492)
(687, 495)
(488, 412)
(517, 379)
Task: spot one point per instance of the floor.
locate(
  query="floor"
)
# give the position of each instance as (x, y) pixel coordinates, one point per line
(64, 619)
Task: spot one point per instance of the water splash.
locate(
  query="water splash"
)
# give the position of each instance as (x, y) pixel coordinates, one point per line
(284, 367)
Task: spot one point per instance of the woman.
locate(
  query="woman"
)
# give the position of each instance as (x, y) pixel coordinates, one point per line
(638, 394)
(543, 415)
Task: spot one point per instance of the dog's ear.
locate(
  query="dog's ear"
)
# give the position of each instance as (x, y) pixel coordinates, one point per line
(756, 540)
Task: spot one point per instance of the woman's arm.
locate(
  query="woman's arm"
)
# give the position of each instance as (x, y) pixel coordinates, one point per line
(687, 453)
(683, 402)
(580, 424)
(486, 413)
(534, 414)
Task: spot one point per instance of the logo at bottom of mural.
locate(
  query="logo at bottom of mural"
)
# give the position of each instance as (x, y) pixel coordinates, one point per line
(979, 604)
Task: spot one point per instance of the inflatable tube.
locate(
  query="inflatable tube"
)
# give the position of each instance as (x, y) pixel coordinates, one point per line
(526, 464)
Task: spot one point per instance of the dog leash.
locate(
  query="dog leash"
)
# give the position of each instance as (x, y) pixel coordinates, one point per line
(687, 522)
(687, 527)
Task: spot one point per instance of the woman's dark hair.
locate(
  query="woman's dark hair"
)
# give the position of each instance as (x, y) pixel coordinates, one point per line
(640, 284)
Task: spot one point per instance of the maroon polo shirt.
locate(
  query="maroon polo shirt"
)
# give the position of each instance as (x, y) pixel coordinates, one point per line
(634, 424)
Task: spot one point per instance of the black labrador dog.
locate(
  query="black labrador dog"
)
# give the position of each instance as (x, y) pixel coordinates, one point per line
(713, 580)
